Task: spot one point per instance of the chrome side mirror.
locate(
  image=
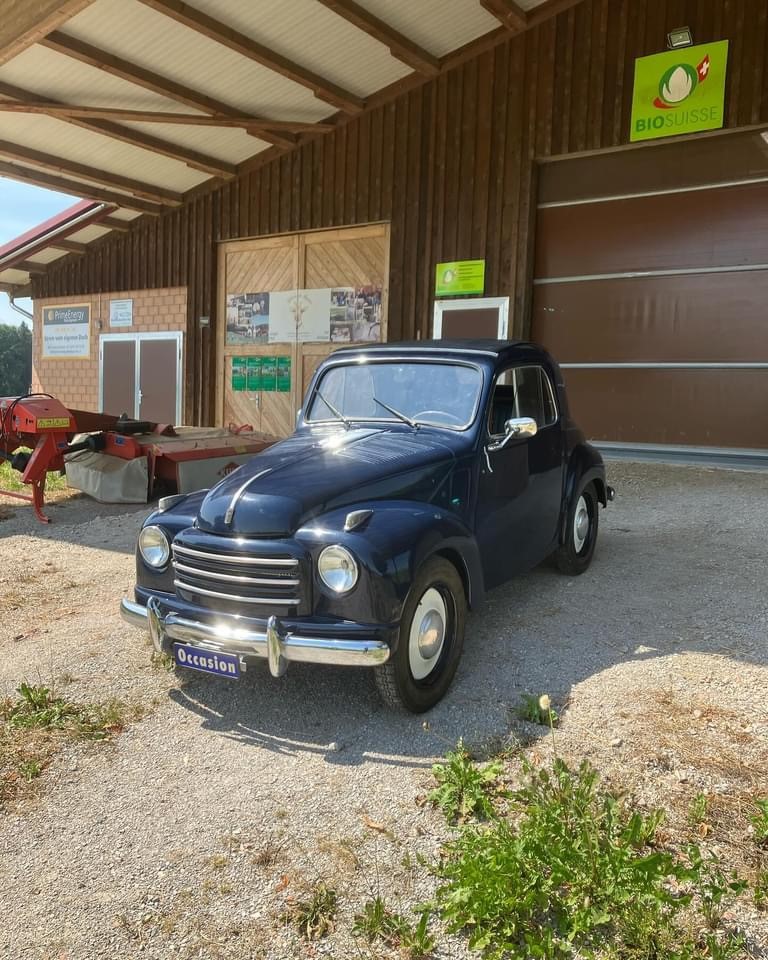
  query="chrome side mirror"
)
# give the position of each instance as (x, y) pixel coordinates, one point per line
(517, 429)
(298, 416)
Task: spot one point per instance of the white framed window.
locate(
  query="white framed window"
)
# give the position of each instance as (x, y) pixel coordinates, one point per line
(471, 318)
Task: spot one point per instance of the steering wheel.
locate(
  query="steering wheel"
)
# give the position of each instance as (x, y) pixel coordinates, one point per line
(440, 413)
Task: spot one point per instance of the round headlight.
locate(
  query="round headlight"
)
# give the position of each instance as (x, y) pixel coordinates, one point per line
(337, 568)
(154, 547)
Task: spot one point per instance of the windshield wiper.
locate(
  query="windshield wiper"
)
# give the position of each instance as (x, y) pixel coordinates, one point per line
(400, 416)
(347, 423)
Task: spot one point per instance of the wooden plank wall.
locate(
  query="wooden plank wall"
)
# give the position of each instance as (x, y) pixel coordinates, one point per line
(450, 164)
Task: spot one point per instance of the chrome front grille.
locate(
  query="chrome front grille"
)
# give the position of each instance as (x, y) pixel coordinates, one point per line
(246, 581)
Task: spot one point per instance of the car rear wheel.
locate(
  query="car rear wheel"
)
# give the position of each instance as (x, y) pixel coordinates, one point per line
(431, 639)
(575, 554)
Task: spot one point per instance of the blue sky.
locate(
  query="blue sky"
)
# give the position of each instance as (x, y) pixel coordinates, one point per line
(21, 208)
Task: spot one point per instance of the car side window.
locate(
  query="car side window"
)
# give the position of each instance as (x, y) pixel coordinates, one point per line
(522, 392)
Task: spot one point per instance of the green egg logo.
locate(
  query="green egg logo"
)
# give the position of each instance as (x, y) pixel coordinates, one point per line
(677, 84)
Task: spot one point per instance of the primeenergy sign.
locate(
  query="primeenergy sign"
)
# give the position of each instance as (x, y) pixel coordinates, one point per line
(66, 332)
(682, 91)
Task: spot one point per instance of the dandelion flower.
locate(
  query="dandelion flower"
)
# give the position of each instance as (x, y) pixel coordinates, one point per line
(544, 702)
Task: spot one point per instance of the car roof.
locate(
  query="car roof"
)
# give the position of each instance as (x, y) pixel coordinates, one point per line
(468, 348)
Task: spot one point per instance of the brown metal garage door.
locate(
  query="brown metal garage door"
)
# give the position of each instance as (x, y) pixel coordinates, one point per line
(657, 304)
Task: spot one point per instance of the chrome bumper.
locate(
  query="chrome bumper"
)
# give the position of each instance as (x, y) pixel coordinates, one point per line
(277, 645)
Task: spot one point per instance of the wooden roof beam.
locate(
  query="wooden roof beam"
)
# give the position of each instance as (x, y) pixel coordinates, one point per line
(69, 246)
(165, 87)
(15, 152)
(548, 9)
(114, 223)
(76, 188)
(28, 266)
(509, 13)
(14, 290)
(135, 138)
(399, 46)
(25, 22)
(248, 47)
(58, 110)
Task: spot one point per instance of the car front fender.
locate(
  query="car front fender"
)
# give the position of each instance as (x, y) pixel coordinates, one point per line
(390, 545)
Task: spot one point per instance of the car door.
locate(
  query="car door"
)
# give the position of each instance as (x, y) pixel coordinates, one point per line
(520, 483)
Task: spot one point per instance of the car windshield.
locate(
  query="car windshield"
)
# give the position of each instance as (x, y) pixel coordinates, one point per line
(416, 392)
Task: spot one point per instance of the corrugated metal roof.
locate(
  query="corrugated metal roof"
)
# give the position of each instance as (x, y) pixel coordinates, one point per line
(310, 34)
(48, 73)
(77, 211)
(305, 32)
(439, 26)
(50, 136)
(224, 143)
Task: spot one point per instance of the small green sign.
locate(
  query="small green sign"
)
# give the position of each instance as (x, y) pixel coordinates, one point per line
(254, 374)
(681, 91)
(239, 367)
(461, 276)
(283, 374)
(269, 374)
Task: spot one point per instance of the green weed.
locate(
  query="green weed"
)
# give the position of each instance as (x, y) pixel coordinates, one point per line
(29, 770)
(315, 916)
(760, 890)
(534, 709)
(415, 939)
(463, 789)
(697, 812)
(574, 871)
(162, 661)
(759, 821)
(378, 922)
(35, 724)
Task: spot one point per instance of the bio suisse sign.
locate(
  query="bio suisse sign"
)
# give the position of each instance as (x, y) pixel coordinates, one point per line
(682, 91)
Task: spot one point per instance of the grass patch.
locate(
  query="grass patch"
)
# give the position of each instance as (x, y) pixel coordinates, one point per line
(759, 821)
(36, 724)
(10, 479)
(572, 870)
(315, 916)
(379, 922)
(463, 789)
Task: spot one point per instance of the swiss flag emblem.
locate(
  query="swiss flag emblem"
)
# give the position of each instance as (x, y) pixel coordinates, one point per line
(703, 69)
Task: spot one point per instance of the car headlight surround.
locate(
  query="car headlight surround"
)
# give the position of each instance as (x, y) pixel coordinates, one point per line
(338, 568)
(154, 547)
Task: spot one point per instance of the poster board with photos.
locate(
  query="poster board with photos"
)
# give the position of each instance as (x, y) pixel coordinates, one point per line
(295, 297)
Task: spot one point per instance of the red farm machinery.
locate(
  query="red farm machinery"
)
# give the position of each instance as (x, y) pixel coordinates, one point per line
(39, 435)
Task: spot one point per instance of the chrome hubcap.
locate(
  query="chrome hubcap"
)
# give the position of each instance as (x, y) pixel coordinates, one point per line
(580, 525)
(427, 634)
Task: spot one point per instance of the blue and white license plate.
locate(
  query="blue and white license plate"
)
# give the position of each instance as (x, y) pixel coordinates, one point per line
(207, 661)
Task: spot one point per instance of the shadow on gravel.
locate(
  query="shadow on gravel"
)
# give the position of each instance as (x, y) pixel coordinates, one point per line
(77, 519)
(674, 573)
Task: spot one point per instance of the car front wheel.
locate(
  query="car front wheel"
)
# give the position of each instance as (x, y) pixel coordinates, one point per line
(575, 554)
(431, 639)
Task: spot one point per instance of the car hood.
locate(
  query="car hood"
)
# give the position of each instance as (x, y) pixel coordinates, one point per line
(290, 482)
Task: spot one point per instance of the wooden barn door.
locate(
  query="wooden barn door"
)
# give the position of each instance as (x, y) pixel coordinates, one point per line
(252, 269)
(333, 283)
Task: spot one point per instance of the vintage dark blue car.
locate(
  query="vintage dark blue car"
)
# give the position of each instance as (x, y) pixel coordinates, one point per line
(420, 476)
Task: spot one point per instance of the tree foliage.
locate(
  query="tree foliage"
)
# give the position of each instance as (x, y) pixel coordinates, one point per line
(15, 360)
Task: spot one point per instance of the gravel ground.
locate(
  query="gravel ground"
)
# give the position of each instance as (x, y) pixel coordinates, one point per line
(191, 832)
